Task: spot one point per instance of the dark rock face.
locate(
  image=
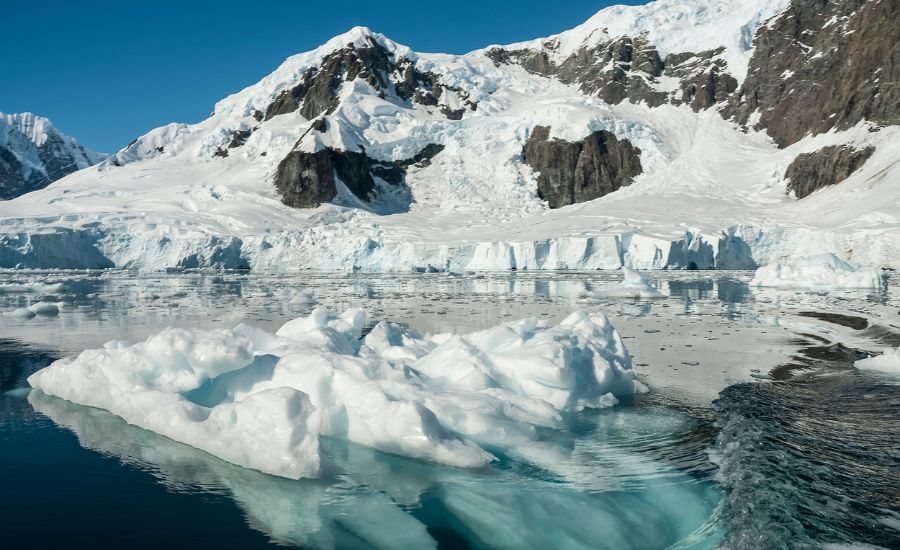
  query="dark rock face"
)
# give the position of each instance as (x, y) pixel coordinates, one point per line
(810, 172)
(306, 180)
(573, 172)
(626, 68)
(316, 94)
(11, 180)
(822, 65)
(704, 82)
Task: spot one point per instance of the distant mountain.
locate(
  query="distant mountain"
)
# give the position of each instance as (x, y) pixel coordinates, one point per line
(677, 134)
(33, 153)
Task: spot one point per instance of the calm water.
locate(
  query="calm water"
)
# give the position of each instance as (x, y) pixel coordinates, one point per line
(757, 433)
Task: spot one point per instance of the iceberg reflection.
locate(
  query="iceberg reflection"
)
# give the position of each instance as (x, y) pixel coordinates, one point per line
(375, 500)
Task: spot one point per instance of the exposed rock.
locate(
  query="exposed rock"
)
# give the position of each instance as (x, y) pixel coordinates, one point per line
(810, 172)
(239, 137)
(306, 180)
(823, 65)
(316, 94)
(320, 125)
(573, 172)
(627, 68)
(33, 154)
(704, 81)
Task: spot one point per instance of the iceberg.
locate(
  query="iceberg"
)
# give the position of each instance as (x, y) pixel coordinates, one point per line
(888, 362)
(263, 400)
(633, 285)
(824, 271)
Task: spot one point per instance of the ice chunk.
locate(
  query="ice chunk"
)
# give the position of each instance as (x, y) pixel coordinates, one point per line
(823, 271)
(888, 362)
(261, 400)
(33, 287)
(274, 431)
(633, 285)
(44, 308)
(23, 312)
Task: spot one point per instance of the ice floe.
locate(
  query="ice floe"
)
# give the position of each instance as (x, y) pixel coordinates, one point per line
(633, 285)
(262, 400)
(888, 362)
(822, 271)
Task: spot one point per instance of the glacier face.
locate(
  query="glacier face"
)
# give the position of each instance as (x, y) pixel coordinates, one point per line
(710, 193)
(33, 153)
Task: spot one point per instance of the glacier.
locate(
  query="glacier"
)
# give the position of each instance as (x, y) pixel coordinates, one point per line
(712, 195)
(263, 400)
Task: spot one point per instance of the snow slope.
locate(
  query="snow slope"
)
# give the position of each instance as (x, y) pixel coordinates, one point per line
(710, 195)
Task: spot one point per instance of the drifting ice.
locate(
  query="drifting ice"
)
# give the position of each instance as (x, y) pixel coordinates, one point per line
(822, 272)
(261, 400)
(887, 362)
(633, 285)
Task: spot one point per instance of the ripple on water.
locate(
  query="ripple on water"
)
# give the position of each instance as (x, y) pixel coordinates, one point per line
(809, 462)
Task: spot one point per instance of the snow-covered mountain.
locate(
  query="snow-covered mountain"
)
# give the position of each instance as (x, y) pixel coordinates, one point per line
(677, 134)
(33, 153)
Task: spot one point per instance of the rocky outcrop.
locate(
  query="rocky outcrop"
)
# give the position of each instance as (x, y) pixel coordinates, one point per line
(810, 172)
(631, 69)
(822, 65)
(306, 180)
(393, 78)
(703, 79)
(33, 154)
(572, 172)
(12, 181)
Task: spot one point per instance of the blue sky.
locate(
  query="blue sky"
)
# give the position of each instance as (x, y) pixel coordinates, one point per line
(107, 71)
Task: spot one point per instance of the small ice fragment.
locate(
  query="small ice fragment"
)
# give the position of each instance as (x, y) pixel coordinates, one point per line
(888, 362)
(23, 312)
(822, 272)
(44, 308)
(633, 285)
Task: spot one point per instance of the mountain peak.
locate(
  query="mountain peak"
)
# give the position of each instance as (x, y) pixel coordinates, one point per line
(34, 153)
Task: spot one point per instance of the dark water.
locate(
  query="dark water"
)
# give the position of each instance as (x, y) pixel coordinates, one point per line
(809, 459)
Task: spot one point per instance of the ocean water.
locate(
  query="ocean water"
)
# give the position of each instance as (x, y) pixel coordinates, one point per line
(757, 432)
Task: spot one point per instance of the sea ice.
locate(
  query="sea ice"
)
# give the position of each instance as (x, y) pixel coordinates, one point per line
(823, 271)
(633, 285)
(888, 362)
(33, 287)
(262, 400)
(44, 308)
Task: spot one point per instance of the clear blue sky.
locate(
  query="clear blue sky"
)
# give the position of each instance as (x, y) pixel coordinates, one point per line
(107, 71)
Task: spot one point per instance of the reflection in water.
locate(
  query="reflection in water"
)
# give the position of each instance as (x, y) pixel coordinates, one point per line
(637, 476)
(377, 500)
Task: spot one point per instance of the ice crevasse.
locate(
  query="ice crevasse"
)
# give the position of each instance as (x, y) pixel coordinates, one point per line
(262, 400)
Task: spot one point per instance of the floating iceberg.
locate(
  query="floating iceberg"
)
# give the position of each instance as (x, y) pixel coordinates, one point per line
(262, 400)
(888, 362)
(633, 285)
(33, 287)
(48, 309)
(823, 271)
